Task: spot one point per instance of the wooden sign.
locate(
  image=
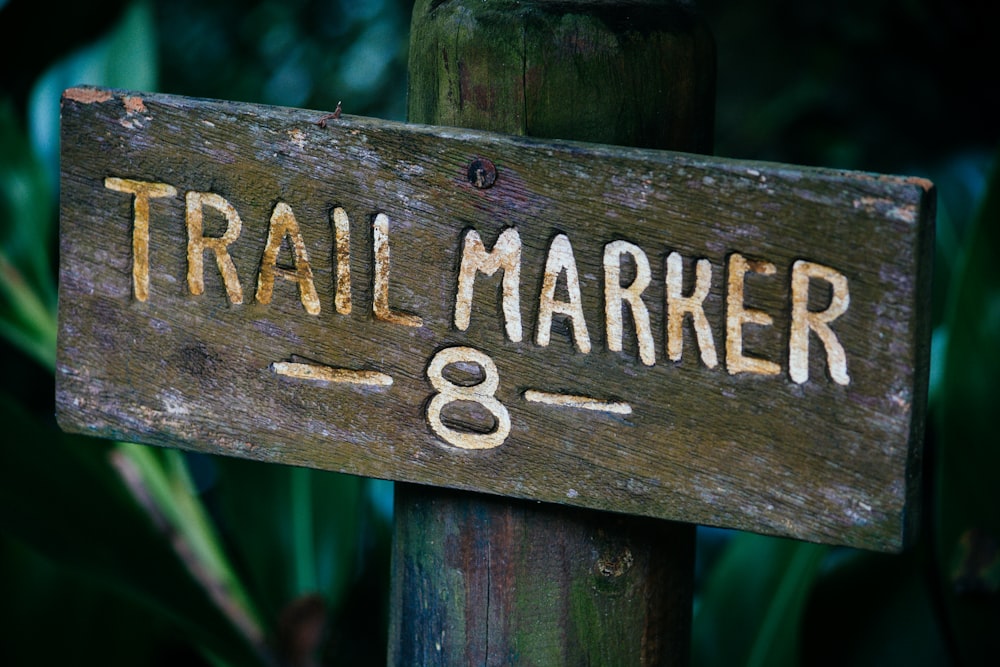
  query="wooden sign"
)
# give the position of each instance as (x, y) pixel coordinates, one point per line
(705, 340)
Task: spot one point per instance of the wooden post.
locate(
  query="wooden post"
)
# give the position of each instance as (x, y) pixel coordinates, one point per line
(486, 580)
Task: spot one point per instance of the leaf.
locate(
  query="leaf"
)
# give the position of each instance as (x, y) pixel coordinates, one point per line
(27, 291)
(295, 531)
(751, 608)
(60, 495)
(26, 210)
(299, 536)
(155, 482)
(161, 478)
(968, 497)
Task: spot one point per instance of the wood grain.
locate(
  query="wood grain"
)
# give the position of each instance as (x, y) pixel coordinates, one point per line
(516, 583)
(817, 460)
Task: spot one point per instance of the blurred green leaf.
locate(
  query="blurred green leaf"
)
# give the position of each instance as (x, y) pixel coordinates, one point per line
(296, 530)
(750, 611)
(24, 320)
(26, 210)
(60, 495)
(165, 477)
(27, 291)
(968, 512)
(302, 536)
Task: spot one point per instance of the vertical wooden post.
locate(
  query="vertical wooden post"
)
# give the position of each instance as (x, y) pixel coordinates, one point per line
(485, 580)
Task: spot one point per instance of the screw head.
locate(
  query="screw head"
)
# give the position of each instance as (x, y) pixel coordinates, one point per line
(482, 173)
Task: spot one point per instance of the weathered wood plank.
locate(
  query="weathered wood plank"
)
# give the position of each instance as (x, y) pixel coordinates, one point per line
(755, 439)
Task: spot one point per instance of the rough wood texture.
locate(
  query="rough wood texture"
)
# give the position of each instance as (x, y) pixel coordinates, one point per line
(539, 583)
(817, 460)
(495, 581)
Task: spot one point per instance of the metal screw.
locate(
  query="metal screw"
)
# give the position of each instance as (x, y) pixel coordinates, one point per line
(482, 173)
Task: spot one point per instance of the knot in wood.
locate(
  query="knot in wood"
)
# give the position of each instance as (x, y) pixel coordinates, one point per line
(614, 562)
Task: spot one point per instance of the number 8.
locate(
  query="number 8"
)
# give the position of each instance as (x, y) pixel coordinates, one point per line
(482, 393)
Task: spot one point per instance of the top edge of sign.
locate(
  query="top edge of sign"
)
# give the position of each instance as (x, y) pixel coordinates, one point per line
(335, 120)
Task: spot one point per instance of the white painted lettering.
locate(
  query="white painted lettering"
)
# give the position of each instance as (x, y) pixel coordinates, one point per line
(805, 320)
(560, 258)
(506, 256)
(615, 294)
(481, 393)
(577, 401)
(679, 306)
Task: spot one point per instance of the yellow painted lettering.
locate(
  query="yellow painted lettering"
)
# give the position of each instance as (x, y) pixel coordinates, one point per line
(342, 238)
(198, 243)
(143, 191)
(679, 306)
(737, 315)
(283, 225)
(380, 303)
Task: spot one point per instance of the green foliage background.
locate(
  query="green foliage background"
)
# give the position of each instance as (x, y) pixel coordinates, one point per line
(119, 554)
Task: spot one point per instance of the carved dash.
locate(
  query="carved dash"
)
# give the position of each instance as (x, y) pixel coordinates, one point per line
(320, 373)
(577, 401)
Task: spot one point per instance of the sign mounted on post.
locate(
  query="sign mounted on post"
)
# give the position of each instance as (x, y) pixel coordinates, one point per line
(685, 337)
